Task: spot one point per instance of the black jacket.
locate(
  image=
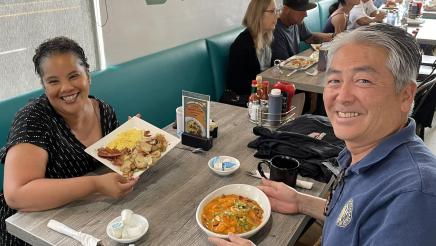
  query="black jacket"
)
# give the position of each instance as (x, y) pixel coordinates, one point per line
(243, 64)
(293, 140)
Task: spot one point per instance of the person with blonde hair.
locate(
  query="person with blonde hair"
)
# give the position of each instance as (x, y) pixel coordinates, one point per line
(250, 53)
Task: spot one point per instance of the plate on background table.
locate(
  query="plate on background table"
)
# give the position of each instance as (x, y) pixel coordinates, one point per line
(133, 123)
(315, 46)
(415, 22)
(300, 62)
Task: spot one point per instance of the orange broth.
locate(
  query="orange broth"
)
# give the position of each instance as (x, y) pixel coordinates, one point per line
(231, 213)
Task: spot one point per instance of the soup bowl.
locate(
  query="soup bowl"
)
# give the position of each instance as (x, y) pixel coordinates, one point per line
(244, 190)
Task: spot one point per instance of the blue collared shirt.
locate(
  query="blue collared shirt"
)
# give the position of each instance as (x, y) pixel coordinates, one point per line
(388, 197)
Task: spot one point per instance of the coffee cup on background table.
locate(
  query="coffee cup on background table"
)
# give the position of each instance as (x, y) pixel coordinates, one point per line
(282, 169)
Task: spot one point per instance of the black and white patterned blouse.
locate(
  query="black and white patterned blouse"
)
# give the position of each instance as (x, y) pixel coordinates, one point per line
(39, 124)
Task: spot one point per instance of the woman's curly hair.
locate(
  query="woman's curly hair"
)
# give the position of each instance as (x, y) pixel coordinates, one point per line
(58, 45)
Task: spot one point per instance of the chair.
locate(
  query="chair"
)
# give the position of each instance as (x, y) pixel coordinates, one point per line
(424, 108)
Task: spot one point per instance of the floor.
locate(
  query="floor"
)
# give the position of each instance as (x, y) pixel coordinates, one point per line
(313, 234)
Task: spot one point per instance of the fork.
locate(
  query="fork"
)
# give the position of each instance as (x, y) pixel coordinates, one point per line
(296, 70)
(193, 150)
(255, 173)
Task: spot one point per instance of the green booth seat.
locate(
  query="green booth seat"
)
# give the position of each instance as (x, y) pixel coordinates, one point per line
(152, 85)
(219, 47)
(8, 109)
(312, 23)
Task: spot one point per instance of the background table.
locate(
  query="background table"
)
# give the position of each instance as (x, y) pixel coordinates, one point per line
(168, 195)
(427, 32)
(300, 79)
(428, 14)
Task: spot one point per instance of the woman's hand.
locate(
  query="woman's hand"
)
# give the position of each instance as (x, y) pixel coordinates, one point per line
(233, 241)
(137, 115)
(114, 185)
(283, 198)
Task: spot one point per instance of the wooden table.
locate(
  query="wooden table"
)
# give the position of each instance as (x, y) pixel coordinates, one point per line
(428, 14)
(168, 195)
(300, 79)
(427, 32)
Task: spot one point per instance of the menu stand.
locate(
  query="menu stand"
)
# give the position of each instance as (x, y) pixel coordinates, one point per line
(197, 141)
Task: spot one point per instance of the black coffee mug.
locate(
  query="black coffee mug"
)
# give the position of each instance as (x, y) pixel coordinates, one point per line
(282, 169)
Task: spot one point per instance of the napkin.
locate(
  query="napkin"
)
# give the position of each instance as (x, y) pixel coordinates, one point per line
(300, 183)
(83, 238)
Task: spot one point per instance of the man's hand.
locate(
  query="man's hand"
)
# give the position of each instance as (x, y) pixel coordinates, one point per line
(233, 241)
(379, 16)
(283, 198)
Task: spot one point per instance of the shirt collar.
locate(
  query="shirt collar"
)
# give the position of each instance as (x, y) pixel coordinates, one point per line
(406, 134)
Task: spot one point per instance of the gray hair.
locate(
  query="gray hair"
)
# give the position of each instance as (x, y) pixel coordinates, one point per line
(404, 57)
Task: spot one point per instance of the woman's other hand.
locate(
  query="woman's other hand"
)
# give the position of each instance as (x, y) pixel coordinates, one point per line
(114, 185)
(283, 199)
(233, 241)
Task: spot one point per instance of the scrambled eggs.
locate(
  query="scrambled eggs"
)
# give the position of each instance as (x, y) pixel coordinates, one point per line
(127, 139)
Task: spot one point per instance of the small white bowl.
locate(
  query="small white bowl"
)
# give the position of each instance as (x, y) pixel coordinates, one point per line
(245, 190)
(136, 220)
(218, 160)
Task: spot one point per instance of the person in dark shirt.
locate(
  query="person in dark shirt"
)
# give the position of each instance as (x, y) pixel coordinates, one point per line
(250, 53)
(44, 158)
(290, 30)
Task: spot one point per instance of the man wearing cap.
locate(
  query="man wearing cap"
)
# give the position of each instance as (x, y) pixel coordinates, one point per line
(290, 29)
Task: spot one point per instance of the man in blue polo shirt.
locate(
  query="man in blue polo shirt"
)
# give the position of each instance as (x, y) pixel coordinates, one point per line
(386, 193)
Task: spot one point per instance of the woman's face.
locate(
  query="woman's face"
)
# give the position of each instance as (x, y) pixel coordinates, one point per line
(66, 83)
(269, 19)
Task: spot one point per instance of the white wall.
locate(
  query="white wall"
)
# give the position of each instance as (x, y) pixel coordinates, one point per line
(135, 29)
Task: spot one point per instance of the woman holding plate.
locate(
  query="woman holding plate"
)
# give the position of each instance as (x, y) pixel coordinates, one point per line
(44, 158)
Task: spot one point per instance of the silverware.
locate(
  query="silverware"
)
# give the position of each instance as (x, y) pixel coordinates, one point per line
(193, 150)
(300, 183)
(289, 74)
(253, 173)
(83, 238)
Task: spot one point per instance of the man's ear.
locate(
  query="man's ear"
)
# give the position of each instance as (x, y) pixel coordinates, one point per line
(407, 95)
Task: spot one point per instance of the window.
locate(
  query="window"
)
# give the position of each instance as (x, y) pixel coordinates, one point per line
(26, 23)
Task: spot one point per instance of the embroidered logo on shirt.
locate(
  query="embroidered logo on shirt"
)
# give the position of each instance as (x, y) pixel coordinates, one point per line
(317, 135)
(345, 216)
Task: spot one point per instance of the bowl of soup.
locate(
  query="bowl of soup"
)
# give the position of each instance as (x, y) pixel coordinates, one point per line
(238, 208)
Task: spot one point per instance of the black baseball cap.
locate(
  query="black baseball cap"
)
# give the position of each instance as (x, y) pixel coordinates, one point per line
(299, 5)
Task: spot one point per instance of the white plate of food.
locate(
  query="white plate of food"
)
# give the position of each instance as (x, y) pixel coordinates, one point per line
(133, 147)
(300, 62)
(248, 202)
(315, 47)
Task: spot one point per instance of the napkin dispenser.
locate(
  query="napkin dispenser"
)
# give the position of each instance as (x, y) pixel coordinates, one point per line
(197, 141)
